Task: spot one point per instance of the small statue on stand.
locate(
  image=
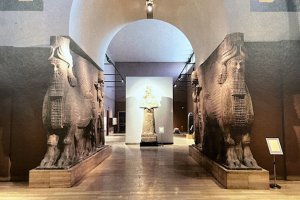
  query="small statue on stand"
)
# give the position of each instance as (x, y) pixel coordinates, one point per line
(149, 103)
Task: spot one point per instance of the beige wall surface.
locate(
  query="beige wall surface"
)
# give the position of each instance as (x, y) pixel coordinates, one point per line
(93, 23)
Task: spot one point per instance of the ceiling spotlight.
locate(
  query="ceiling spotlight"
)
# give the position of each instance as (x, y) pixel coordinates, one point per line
(175, 86)
(149, 6)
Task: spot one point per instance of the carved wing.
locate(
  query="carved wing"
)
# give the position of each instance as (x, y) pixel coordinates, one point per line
(86, 75)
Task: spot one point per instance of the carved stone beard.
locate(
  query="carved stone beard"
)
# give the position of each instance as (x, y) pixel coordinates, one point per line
(56, 93)
(238, 93)
(238, 84)
(58, 79)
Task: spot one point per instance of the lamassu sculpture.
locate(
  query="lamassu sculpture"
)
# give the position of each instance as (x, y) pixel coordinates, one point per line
(69, 109)
(226, 106)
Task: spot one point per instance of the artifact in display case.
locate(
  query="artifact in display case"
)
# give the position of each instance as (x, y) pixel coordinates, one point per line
(226, 106)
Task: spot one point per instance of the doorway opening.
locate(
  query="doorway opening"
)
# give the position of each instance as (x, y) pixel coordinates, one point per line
(149, 48)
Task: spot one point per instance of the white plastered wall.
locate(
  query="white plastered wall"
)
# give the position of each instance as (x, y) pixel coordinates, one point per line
(93, 23)
(34, 28)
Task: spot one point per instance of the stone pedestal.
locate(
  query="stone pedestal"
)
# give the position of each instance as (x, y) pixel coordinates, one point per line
(148, 140)
(189, 136)
(64, 178)
(232, 179)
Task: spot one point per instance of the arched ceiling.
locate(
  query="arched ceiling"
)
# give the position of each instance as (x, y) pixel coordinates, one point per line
(205, 23)
(150, 41)
(93, 23)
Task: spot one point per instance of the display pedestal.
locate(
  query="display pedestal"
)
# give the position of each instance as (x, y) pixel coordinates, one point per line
(64, 178)
(232, 179)
(149, 140)
(189, 136)
(145, 144)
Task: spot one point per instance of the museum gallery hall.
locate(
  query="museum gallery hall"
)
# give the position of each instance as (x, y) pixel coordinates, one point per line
(149, 99)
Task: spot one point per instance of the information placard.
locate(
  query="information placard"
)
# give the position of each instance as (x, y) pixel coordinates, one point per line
(274, 146)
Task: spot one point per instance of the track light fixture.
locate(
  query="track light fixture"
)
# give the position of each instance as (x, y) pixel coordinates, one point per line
(149, 8)
(182, 78)
(118, 72)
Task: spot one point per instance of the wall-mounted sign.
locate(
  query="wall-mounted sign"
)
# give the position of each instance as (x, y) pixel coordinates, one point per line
(274, 146)
(115, 121)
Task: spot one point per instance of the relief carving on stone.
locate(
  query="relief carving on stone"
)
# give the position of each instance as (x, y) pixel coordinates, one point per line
(196, 89)
(99, 109)
(226, 105)
(70, 110)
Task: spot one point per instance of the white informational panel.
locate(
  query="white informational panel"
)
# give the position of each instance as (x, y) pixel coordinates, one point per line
(115, 121)
(274, 146)
(162, 89)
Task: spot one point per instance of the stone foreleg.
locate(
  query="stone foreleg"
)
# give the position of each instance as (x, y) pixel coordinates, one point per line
(80, 143)
(232, 160)
(95, 125)
(197, 136)
(90, 142)
(249, 161)
(101, 130)
(68, 155)
(52, 153)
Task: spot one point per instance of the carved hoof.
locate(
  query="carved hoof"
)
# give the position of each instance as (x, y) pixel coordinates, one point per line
(82, 156)
(47, 163)
(50, 158)
(251, 163)
(199, 146)
(64, 162)
(234, 164)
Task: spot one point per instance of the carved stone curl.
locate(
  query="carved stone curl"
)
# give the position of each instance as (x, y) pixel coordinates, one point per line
(226, 106)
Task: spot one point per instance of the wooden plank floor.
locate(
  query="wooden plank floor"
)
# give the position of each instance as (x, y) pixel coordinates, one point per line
(164, 172)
